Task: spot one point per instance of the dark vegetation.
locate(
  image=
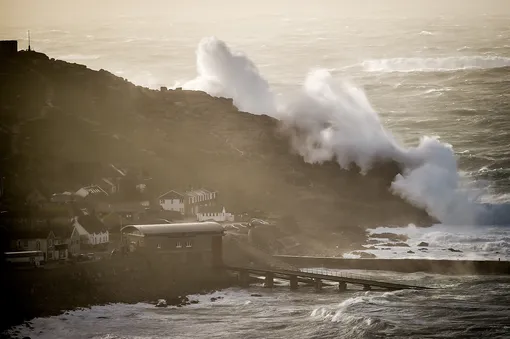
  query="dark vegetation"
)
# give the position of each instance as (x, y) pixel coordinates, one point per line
(61, 122)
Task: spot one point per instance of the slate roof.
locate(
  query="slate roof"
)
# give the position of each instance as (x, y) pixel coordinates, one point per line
(175, 229)
(91, 224)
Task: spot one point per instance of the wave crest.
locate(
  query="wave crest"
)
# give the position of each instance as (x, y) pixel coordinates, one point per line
(435, 64)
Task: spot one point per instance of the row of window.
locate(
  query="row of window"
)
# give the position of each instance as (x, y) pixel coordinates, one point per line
(178, 244)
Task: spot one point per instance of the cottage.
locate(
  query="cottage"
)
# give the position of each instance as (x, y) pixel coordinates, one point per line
(188, 243)
(187, 203)
(67, 240)
(172, 201)
(34, 239)
(213, 213)
(92, 231)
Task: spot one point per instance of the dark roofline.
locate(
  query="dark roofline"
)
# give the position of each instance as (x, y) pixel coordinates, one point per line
(162, 195)
(176, 229)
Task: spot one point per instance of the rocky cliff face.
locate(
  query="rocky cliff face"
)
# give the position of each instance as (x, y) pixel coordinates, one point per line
(55, 113)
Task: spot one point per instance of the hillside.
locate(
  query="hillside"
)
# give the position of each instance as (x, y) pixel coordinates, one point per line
(59, 118)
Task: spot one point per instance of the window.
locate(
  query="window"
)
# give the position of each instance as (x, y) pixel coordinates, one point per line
(38, 245)
(50, 255)
(25, 243)
(189, 244)
(50, 242)
(178, 244)
(161, 201)
(159, 246)
(19, 243)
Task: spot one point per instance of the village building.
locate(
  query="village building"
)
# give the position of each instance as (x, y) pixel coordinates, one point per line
(186, 243)
(187, 203)
(92, 231)
(214, 213)
(34, 239)
(172, 201)
(8, 48)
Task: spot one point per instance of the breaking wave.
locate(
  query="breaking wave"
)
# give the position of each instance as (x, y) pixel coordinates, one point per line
(435, 64)
(332, 120)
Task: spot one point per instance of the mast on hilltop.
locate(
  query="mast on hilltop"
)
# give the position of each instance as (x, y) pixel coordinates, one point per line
(29, 49)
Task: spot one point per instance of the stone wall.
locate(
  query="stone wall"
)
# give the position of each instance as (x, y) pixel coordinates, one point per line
(50, 291)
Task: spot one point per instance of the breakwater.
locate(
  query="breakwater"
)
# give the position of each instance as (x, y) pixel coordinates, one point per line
(50, 291)
(403, 265)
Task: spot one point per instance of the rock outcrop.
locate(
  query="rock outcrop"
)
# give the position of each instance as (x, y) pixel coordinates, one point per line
(59, 119)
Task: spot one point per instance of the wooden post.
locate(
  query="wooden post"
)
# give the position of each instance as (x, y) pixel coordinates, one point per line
(342, 286)
(244, 278)
(269, 280)
(318, 284)
(293, 282)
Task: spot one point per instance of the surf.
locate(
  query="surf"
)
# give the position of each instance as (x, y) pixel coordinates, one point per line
(330, 119)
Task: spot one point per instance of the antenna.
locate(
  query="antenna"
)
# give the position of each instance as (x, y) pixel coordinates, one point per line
(29, 41)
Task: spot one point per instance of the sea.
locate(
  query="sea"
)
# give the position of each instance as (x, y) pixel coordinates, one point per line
(423, 83)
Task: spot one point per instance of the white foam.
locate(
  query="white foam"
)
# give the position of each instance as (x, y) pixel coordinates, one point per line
(435, 64)
(332, 120)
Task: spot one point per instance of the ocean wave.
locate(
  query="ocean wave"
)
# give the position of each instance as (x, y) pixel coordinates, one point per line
(435, 64)
(330, 119)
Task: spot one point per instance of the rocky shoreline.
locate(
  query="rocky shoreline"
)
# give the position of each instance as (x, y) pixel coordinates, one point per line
(29, 294)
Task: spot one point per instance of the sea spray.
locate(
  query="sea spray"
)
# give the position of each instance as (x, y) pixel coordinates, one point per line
(331, 120)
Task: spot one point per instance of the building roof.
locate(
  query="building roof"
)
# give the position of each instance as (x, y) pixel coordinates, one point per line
(91, 224)
(170, 193)
(174, 229)
(29, 233)
(93, 190)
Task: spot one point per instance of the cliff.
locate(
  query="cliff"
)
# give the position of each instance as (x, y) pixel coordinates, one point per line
(58, 118)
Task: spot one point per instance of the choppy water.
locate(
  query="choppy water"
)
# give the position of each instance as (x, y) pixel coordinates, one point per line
(461, 307)
(427, 67)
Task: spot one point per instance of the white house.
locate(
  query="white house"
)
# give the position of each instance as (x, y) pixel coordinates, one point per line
(92, 230)
(214, 214)
(172, 201)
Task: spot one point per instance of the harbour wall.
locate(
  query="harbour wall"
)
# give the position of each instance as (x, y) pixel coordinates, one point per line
(403, 265)
(42, 292)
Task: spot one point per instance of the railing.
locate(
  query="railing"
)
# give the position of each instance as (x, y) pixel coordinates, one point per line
(341, 274)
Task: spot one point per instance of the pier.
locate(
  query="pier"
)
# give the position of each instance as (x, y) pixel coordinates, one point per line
(440, 266)
(317, 277)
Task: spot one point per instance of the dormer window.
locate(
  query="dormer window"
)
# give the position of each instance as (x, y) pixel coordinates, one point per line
(178, 245)
(189, 244)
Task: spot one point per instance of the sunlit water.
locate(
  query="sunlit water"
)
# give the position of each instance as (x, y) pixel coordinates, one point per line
(427, 70)
(460, 307)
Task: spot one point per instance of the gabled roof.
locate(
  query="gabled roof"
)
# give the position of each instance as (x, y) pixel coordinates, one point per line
(91, 224)
(41, 232)
(170, 193)
(175, 229)
(93, 190)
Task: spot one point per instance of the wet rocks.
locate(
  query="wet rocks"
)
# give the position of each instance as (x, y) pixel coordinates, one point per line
(454, 250)
(256, 295)
(410, 252)
(397, 244)
(161, 303)
(390, 236)
(213, 299)
(423, 244)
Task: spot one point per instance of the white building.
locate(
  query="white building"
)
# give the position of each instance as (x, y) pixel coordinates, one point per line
(210, 214)
(92, 230)
(187, 203)
(172, 201)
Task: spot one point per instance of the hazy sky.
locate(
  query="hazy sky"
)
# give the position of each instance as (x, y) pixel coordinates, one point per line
(34, 12)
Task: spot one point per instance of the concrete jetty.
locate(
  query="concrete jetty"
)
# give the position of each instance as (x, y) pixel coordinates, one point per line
(317, 276)
(402, 265)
